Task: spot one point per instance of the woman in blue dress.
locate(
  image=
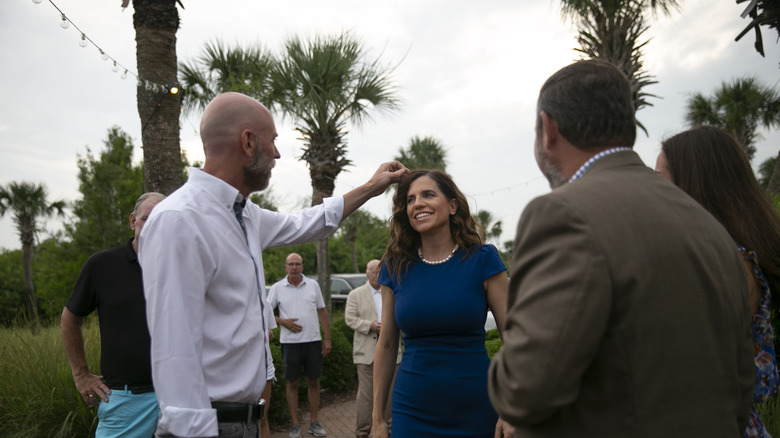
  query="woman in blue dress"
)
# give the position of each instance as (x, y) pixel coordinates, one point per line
(710, 166)
(438, 281)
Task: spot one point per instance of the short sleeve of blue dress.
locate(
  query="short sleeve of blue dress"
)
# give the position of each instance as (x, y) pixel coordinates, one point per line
(441, 386)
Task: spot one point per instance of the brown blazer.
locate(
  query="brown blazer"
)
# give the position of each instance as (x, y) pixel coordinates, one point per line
(628, 314)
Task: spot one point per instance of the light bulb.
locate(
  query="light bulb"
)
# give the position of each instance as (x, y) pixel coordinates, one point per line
(83, 42)
(103, 55)
(139, 82)
(115, 68)
(155, 89)
(148, 86)
(174, 90)
(37, 2)
(64, 23)
(124, 74)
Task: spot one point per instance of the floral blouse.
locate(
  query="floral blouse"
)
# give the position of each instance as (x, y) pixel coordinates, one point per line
(763, 347)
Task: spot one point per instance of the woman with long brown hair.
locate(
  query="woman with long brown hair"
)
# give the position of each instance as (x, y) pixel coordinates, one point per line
(710, 166)
(438, 281)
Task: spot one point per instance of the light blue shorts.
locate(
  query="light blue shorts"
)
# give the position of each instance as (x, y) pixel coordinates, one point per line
(127, 415)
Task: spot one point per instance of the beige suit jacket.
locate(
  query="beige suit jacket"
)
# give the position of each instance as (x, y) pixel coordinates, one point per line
(360, 312)
(628, 314)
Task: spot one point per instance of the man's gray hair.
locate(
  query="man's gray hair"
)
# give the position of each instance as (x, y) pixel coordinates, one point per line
(153, 195)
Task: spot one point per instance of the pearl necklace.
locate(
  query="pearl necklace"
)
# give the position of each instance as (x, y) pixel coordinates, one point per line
(436, 262)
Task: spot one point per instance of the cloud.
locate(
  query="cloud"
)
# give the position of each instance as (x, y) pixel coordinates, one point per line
(468, 73)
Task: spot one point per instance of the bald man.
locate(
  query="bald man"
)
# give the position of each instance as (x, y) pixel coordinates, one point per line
(203, 272)
(363, 315)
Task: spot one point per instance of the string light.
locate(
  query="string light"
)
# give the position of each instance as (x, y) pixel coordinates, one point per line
(66, 22)
(509, 188)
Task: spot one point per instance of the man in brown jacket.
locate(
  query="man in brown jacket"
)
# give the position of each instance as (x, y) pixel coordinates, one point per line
(628, 312)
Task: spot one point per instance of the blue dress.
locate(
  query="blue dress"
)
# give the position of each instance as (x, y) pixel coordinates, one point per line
(441, 385)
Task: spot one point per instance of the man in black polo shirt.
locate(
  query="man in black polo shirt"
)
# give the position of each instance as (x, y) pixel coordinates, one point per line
(111, 282)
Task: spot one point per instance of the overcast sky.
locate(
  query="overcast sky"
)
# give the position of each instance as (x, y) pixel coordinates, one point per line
(468, 74)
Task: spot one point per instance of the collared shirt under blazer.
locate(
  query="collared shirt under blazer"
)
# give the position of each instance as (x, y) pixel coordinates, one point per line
(360, 312)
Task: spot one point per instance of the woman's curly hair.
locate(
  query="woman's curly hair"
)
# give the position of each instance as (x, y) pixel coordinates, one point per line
(404, 240)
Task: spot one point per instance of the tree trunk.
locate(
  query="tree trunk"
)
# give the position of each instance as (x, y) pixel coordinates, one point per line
(156, 23)
(323, 272)
(321, 190)
(774, 182)
(30, 300)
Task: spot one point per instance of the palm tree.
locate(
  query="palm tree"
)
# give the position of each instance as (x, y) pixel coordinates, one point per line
(219, 69)
(156, 23)
(490, 229)
(28, 201)
(739, 107)
(423, 153)
(323, 85)
(765, 171)
(611, 30)
(762, 13)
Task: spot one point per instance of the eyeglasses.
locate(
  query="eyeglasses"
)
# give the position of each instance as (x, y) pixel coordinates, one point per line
(295, 264)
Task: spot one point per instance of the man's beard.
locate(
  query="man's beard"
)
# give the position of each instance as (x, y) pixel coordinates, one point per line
(548, 168)
(258, 172)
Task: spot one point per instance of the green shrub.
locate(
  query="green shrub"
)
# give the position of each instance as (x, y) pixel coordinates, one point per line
(339, 325)
(491, 334)
(37, 395)
(492, 346)
(339, 373)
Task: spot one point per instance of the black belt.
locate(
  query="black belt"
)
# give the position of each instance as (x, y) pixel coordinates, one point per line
(135, 389)
(231, 412)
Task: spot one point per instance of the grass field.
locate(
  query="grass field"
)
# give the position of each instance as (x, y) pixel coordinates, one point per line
(37, 394)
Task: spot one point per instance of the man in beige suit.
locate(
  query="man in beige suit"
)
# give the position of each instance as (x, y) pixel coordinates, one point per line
(628, 312)
(363, 313)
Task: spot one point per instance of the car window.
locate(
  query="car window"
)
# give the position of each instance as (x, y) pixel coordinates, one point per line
(339, 286)
(357, 281)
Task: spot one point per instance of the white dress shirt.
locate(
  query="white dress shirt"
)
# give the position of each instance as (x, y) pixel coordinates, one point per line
(376, 294)
(203, 281)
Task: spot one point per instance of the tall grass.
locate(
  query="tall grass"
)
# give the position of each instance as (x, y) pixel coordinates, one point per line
(37, 395)
(770, 415)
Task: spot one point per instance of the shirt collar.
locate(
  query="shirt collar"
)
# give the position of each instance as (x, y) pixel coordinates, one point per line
(581, 171)
(130, 252)
(371, 288)
(225, 194)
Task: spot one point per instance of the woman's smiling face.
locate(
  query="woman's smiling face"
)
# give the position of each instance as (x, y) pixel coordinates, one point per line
(426, 206)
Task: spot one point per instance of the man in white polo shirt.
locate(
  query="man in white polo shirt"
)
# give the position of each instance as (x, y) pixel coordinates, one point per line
(300, 305)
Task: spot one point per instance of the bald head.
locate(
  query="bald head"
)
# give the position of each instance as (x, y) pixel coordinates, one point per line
(236, 131)
(226, 117)
(372, 273)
